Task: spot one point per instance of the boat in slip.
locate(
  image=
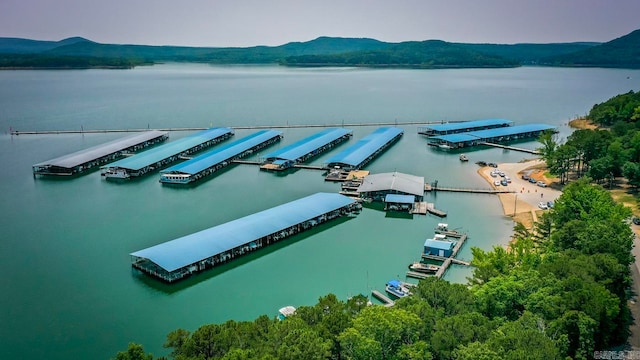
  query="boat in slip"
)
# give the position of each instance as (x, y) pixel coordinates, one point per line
(423, 268)
(463, 157)
(175, 178)
(285, 312)
(116, 173)
(395, 288)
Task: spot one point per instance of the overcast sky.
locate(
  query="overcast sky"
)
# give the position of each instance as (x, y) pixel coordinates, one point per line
(274, 22)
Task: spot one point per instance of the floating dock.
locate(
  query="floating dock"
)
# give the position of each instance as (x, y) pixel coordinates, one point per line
(507, 147)
(366, 149)
(157, 158)
(382, 297)
(218, 158)
(498, 135)
(432, 210)
(304, 149)
(501, 190)
(464, 126)
(81, 161)
(177, 259)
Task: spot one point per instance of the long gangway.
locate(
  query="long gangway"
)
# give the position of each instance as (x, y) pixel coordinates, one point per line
(161, 156)
(214, 160)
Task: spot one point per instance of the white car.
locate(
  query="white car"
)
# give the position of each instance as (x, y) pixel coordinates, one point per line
(541, 184)
(496, 183)
(543, 205)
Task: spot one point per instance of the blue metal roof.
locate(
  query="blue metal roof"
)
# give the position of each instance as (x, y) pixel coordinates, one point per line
(468, 124)
(400, 199)
(491, 133)
(222, 153)
(307, 145)
(438, 244)
(181, 252)
(355, 154)
(144, 159)
(96, 152)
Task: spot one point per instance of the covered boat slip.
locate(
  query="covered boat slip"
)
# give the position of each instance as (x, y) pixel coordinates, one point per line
(159, 157)
(463, 126)
(80, 161)
(304, 149)
(378, 186)
(474, 138)
(218, 158)
(367, 148)
(179, 258)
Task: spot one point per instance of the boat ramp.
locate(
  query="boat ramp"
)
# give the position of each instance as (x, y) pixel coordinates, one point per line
(93, 157)
(161, 156)
(218, 158)
(177, 259)
(304, 149)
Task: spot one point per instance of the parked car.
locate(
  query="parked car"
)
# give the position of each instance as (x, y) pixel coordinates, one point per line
(493, 174)
(550, 204)
(494, 165)
(636, 220)
(532, 180)
(507, 178)
(543, 205)
(504, 182)
(525, 177)
(541, 184)
(496, 183)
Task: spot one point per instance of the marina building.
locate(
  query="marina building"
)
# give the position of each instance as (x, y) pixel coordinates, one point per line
(438, 246)
(218, 158)
(463, 126)
(498, 135)
(159, 157)
(176, 259)
(378, 187)
(366, 149)
(81, 161)
(304, 149)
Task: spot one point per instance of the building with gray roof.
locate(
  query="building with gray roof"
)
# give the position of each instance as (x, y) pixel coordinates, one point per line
(378, 186)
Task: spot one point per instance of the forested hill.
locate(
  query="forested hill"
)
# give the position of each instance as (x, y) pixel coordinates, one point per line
(323, 51)
(621, 52)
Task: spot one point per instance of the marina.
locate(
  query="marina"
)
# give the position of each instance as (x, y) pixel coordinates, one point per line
(366, 149)
(159, 157)
(214, 160)
(88, 159)
(304, 149)
(177, 259)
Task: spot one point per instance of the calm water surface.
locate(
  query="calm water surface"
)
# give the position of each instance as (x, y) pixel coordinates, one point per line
(68, 290)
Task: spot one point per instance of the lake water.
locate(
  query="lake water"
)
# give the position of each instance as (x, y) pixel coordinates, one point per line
(68, 290)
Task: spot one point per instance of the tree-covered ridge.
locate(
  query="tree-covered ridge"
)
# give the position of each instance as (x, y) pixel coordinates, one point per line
(621, 52)
(425, 54)
(31, 61)
(558, 292)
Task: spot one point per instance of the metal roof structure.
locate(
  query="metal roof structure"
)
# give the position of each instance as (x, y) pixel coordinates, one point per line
(165, 151)
(467, 125)
(395, 181)
(438, 244)
(83, 156)
(399, 199)
(186, 250)
(357, 154)
(307, 145)
(222, 153)
(483, 135)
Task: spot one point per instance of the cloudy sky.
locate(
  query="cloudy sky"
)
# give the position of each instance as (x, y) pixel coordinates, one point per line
(275, 22)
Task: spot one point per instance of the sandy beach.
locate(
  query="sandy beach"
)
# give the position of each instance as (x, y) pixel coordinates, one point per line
(522, 204)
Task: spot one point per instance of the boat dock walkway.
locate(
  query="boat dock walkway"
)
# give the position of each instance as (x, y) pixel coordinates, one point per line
(429, 187)
(296, 166)
(382, 297)
(507, 147)
(432, 210)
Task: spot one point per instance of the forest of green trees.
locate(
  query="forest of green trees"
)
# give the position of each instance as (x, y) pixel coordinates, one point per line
(560, 291)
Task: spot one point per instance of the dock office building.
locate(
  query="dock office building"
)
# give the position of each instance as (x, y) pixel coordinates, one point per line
(304, 149)
(157, 158)
(366, 149)
(463, 126)
(177, 259)
(83, 160)
(218, 158)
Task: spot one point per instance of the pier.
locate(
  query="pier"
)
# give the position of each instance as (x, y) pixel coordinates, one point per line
(507, 147)
(430, 187)
(444, 255)
(382, 297)
(177, 259)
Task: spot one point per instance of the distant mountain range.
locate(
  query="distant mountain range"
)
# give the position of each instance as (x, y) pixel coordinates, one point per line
(79, 52)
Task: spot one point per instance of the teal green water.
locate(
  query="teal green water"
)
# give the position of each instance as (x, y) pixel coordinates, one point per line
(68, 290)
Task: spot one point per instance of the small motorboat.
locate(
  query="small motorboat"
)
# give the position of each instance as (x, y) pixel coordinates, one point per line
(463, 157)
(423, 268)
(395, 288)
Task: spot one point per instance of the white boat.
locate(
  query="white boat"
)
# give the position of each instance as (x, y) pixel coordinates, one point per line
(285, 312)
(463, 157)
(395, 288)
(116, 173)
(175, 178)
(423, 268)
